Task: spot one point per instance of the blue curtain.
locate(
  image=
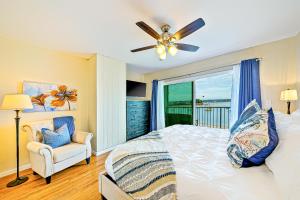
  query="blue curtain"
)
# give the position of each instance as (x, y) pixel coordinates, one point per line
(249, 84)
(153, 114)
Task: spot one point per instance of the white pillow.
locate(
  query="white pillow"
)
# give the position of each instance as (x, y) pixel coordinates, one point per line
(281, 116)
(296, 113)
(284, 162)
(283, 121)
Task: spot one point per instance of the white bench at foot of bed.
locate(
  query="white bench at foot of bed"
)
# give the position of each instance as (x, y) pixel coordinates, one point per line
(110, 190)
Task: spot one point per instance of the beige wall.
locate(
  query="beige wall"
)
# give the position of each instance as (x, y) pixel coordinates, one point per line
(298, 66)
(278, 68)
(92, 111)
(19, 62)
(134, 76)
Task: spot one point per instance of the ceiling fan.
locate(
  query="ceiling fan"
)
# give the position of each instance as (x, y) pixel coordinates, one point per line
(167, 41)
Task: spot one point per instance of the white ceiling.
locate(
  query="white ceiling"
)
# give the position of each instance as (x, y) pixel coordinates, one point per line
(108, 26)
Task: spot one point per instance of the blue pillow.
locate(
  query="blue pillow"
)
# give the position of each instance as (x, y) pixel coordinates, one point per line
(254, 140)
(249, 111)
(60, 121)
(56, 138)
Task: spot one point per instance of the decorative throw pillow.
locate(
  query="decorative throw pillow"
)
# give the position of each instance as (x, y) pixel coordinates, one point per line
(56, 138)
(254, 140)
(249, 111)
(60, 121)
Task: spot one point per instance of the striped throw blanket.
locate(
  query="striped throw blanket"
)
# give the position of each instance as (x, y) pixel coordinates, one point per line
(148, 174)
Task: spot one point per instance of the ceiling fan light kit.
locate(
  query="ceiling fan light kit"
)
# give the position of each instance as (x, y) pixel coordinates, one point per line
(172, 49)
(160, 49)
(163, 56)
(166, 42)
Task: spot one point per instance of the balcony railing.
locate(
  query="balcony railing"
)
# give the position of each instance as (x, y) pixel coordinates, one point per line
(213, 117)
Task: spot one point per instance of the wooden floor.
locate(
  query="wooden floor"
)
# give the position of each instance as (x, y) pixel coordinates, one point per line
(77, 182)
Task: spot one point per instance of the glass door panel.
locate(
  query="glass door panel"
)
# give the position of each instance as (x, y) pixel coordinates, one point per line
(213, 100)
(178, 102)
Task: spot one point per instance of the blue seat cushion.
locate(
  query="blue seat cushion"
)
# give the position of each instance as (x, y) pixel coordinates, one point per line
(56, 138)
(60, 121)
(254, 140)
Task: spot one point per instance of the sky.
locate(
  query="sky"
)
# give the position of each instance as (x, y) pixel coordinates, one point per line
(214, 87)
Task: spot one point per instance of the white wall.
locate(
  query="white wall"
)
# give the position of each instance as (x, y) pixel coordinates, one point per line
(277, 69)
(111, 103)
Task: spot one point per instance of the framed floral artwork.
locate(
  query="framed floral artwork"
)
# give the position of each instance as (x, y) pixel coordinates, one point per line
(47, 97)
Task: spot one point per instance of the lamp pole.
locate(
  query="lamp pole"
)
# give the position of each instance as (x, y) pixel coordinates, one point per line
(17, 102)
(17, 132)
(288, 107)
(19, 180)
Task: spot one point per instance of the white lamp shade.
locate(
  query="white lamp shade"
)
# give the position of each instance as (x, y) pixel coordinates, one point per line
(289, 95)
(16, 102)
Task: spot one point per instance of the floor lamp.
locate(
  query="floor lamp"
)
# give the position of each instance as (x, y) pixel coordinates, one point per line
(17, 102)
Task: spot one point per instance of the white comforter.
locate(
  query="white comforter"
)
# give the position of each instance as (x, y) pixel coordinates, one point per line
(203, 170)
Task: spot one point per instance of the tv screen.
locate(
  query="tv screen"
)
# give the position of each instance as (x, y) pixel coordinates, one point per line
(136, 89)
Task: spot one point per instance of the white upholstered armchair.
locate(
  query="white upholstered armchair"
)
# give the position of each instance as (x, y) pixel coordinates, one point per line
(45, 160)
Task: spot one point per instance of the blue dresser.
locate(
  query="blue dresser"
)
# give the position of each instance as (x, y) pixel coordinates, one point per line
(138, 119)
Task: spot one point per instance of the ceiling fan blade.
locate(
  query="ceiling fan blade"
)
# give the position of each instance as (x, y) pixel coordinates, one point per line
(148, 29)
(186, 47)
(143, 48)
(189, 29)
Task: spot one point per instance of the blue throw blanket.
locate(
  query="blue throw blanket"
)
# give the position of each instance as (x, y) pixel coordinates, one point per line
(148, 174)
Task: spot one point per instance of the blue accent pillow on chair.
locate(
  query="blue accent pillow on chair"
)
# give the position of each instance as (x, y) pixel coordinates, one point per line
(56, 138)
(60, 121)
(254, 140)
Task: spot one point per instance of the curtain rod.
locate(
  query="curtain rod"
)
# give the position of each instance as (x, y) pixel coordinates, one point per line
(195, 73)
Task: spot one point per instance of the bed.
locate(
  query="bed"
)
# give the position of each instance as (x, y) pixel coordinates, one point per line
(203, 170)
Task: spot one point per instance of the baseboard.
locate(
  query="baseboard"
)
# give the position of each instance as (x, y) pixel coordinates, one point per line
(28, 166)
(12, 171)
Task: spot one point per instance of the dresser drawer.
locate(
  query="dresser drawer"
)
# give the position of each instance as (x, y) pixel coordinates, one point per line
(138, 118)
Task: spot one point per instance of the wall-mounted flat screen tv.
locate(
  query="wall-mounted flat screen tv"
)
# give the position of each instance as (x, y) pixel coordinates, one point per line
(135, 89)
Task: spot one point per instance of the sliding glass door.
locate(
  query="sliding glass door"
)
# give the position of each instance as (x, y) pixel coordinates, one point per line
(204, 101)
(178, 102)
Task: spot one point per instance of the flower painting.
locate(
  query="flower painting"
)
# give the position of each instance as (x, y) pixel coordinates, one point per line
(47, 97)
